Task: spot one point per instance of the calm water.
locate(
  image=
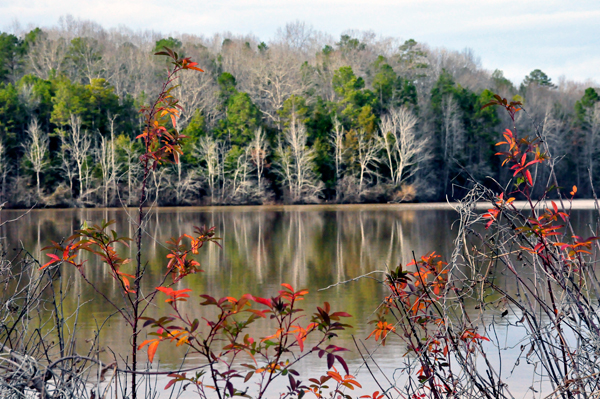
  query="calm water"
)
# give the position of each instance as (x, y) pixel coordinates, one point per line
(306, 246)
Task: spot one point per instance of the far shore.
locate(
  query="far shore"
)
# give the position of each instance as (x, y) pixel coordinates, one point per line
(574, 204)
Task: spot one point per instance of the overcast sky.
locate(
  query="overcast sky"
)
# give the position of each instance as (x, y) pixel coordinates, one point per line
(560, 37)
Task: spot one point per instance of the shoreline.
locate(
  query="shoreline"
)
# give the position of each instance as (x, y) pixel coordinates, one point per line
(578, 204)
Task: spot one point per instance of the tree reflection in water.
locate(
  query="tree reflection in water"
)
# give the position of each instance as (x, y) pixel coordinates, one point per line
(306, 246)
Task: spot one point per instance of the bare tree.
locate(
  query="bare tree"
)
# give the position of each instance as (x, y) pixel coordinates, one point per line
(113, 154)
(452, 132)
(367, 156)
(207, 149)
(242, 187)
(452, 127)
(187, 183)
(296, 164)
(297, 35)
(47, 54)
(160, 181)
(276, 77)
(179, 186)
(104, 154)
(36, 149)
(403, 149)
(258, 152)
(128, 65)
(197, 93)
(128, 163)
(66, 164)
(554, 136)
(336, 140)
(79, 145)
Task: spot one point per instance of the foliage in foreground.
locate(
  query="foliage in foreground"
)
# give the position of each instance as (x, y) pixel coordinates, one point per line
(516, 264)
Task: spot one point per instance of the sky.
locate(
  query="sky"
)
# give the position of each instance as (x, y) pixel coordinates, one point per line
(562, 38)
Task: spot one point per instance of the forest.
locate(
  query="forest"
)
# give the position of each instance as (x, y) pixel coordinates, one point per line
(302, 118)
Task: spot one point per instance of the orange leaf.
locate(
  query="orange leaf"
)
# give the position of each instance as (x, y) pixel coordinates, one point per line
(289, 287)
(152, 350)
(300, 341)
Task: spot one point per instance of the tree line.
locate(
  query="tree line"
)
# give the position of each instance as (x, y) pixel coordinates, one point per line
(303, 118)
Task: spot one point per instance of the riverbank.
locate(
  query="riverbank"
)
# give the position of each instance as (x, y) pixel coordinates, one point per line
(574, 204)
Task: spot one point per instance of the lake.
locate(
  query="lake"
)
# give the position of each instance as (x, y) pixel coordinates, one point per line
(311, 247)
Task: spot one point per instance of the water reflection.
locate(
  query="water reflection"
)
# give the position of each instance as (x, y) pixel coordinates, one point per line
(307, 247)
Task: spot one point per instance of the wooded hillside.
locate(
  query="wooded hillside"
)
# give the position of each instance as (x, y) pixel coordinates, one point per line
(302, 118)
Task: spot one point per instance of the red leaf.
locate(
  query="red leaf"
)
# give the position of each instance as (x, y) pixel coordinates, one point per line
(341, 314)
(54, 260)
(528, 176)
(173, 381)
(264, 301)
